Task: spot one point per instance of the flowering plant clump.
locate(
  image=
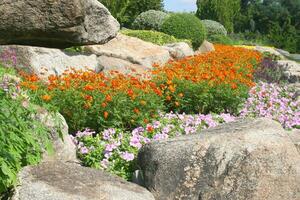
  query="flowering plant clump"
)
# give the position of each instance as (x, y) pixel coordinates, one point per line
(270, 71)
(216, 82)
(273, 101)
(98, 101)
(115, 150)
(23, 139)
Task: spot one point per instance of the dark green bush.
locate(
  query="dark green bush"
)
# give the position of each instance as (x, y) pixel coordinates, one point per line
(150, 20)
(154, 37)
(185, 26)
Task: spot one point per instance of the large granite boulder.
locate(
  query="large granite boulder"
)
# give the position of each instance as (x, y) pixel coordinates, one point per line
(55, 23)
(69, 181)
(248, 159)
(269, 50)
(295, 137)
(205, 47)
(293, 70)
(179, 50)
(63, 146)
(132, 51)
(46, 61)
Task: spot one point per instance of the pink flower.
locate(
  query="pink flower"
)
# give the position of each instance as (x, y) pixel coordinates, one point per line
(127, 156)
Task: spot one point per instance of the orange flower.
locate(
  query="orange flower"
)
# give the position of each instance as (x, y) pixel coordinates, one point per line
(234, 86)
(105, 114)
(180, 94)
(136, 110)
(33, 87)
(177, 103)
(88, 88)
(88, 97)
(168, 98)
(108, 98)
(103, 105)
(46, 97)
(150, 129)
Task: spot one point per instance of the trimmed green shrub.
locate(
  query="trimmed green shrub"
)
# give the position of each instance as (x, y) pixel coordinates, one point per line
(223, 11)
(185, 26)
(154, 37)
(214, 28)
(150, 20)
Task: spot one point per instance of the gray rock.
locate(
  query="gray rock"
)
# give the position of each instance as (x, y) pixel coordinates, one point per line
(295, 57)
(69, 181)
(248, 159)
(205, 48)
(109, 64)
(63, 146)
(269, 50)
(293, 70)
(283, 52)
(295, 137)
(131, 50)
(46, 61)
(179, 50)
(55, 23)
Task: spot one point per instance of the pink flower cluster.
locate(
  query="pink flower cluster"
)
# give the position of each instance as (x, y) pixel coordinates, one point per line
(273, 101)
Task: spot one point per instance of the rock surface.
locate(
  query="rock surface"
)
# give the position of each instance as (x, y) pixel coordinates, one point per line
(179, 50)
(269, 50)
(293, 70)
(69, 181)
(131, 50)
(295, 137)
(55, 23)
(248, 159)
(46, 61)
(123, 66)
(205, 48)
(63, 146)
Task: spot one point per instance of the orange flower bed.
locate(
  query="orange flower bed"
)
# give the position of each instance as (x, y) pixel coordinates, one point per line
(193, 84)
(227, 64)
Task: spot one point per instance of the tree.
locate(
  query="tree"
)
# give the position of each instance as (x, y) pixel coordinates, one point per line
(125, 11)
(223, 11)
(117, 8)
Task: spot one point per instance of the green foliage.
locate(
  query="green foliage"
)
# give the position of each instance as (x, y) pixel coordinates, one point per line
(223, 11)
(119, 166)
(285, 37)
(185, 26)
(22, 139)
(277, 20)
(125, 11)
(149, 20)
(214, 28)
(75, 49)
(221, 39)
(154, 37)
(118, 9)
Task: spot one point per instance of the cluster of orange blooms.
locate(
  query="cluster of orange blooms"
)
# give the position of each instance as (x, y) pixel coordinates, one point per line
(227, 64)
